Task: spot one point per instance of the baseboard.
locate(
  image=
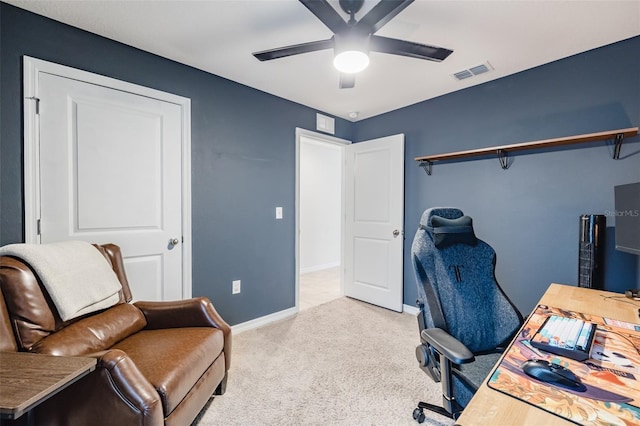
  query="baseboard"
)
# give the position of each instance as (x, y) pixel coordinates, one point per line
(408, 309)
(319, 267)
(267, 319)
(277, 316)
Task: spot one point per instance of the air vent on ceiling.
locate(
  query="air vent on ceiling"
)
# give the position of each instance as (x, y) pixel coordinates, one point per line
(473, 71)
(461, 75)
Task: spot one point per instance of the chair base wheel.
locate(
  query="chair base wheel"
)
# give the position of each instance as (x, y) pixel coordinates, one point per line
(419, 411)
(418, 415)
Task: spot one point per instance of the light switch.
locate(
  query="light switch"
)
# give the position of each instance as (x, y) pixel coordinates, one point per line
(278, 212)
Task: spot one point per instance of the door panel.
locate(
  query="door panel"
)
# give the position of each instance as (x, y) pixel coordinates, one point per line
(374, 214)
(103, 134)
(372, 185)
(368, 274)
(147, 269)
(110, 171)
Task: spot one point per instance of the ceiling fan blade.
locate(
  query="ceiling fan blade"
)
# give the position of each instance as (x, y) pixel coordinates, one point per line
(295, 49)
(347, 81)
(408, 48)
(327, 14)
(381, 13)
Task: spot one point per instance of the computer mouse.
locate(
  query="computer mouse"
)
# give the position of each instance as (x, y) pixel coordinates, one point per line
(552, 373)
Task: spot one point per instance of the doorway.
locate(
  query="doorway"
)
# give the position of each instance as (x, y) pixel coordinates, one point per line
(370, 218)
(319, 208)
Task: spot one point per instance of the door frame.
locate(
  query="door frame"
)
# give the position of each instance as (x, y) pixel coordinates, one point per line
(322, 138)
(31, 175)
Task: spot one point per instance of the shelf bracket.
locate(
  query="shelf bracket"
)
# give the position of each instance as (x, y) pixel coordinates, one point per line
(617, 144)
(426, 166)
(504, 159)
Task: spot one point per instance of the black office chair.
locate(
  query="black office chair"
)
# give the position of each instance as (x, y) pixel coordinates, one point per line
(465, 318)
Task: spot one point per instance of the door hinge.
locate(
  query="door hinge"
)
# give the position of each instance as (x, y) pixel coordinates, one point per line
(37, 100)
(38, 227)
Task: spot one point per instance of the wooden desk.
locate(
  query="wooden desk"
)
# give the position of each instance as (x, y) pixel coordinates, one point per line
(490, 407)
(28, 379)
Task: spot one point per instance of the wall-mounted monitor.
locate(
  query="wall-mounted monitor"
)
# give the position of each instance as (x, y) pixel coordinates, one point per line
(627, 202)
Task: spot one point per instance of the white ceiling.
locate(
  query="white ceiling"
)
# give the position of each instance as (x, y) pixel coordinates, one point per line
(218, 36)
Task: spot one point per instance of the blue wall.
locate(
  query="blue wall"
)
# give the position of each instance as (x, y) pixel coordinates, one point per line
(243, 159)
(528, 213)
(243, 162)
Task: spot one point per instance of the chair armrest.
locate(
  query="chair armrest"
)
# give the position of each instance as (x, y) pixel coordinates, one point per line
(450, 347)
(196, 312)
(129, 382)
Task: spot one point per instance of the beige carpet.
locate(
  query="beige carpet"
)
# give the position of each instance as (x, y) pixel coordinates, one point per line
(341, 363)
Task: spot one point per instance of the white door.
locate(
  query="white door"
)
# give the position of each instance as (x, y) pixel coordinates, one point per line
(110, 172)
(374, 213)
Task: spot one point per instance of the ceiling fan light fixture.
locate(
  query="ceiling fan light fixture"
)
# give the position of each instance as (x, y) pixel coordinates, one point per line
(352, 40)
(351, 61)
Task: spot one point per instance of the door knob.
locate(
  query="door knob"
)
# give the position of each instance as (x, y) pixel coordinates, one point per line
(173, 242)
(395, 233)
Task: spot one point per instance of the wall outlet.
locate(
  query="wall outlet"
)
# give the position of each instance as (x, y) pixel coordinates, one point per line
(278, 212)
(235, 287)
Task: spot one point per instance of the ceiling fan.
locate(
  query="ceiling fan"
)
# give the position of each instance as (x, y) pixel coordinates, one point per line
(353, 40)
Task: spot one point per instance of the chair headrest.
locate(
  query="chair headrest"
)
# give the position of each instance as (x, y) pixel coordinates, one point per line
(445, 212)
(448, 226)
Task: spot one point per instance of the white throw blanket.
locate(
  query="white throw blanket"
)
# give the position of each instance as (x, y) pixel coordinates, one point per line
(77, 276)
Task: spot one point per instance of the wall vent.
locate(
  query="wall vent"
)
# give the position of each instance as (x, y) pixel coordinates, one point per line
(473, 71)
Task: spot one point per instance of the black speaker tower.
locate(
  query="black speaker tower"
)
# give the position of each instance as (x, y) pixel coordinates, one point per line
(591, 251)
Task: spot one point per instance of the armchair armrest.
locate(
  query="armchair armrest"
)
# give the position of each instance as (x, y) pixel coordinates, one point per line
(115, 393)
(450, 347)
(130, 384)
(196, 312)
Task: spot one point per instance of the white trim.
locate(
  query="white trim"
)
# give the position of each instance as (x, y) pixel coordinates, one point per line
(318, 137)
(32, 68)
(31, 174)
(262, 321)
(408, 309)
(187, 288)
(315, 268)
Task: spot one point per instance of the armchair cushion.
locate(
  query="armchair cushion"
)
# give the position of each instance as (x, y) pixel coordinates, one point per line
(95, 333)
(195, 312)
(7, 341)
(173, 359)
(28, 309)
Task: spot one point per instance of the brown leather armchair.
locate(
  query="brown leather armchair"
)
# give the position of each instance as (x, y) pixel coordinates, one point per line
(158, 363)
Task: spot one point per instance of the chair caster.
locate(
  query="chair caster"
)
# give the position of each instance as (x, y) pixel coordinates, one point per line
(418, 415)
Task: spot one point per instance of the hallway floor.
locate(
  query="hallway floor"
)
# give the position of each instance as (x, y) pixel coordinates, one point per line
(319, 287)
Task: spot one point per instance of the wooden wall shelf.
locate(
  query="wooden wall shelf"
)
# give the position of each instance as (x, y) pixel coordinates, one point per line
(502, 151)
